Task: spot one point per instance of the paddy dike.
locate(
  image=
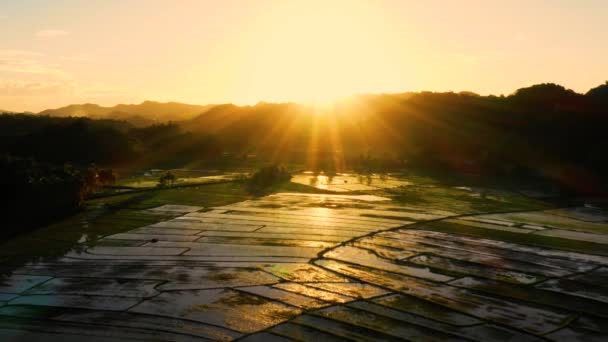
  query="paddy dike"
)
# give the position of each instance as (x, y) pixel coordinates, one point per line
(320, 267)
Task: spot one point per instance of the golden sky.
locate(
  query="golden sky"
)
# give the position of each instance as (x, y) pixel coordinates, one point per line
(53, 53)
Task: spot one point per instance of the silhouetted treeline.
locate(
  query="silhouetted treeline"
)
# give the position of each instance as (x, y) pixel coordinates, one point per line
(267, 177)
(544, 130)
(82, 141)
(35, 193)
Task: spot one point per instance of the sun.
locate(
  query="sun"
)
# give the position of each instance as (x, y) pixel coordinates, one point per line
(317, 53)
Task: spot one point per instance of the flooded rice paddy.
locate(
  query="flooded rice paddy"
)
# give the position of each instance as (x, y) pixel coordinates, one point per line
(305, 267)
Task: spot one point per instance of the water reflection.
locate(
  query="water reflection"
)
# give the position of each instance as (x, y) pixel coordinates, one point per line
(71, 235)
(343, 182)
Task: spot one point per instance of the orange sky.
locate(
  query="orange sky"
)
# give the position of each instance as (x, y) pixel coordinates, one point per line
(54, 53)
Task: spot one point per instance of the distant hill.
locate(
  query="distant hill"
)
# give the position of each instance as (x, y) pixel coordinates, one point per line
(537, 127)
(544, 130)
(142, 114)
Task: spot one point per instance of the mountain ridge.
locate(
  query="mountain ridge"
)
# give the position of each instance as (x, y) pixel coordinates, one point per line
(145, 113)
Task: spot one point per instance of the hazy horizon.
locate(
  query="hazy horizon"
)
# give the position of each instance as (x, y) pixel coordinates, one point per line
(207, 52)
(345, 97)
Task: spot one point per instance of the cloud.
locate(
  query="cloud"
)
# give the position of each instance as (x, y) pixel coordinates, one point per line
(30, 66)
(35, 88)
(51, 33)
(89, 90)
(12, 52)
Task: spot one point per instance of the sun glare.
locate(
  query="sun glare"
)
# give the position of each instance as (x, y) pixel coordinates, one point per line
(316, 53)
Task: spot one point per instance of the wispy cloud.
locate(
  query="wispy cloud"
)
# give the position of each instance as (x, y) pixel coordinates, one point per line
(35, 88)
(51, 33)
(11, 87)
(30, 66)
(12, 52)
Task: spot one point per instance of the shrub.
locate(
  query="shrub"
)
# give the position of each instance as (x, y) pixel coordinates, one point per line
(37, 193)
(267, 177)
(168, 179)
(106, 177)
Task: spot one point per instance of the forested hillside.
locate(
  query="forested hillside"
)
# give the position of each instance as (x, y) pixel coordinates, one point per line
(544, 130)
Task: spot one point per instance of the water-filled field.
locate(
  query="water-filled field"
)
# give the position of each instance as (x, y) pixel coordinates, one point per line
(406, 261)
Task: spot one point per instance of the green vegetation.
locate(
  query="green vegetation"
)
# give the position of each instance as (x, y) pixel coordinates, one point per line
(167, 179)
(463, 201)
(203, 195)
(107, 216)
(525, 239)
(43, 192)
(540, 132)
(137, 179)
(100, 218)
(120, 213)
(265, 179)
(543, 134)
(106, 177)
(38, 193)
